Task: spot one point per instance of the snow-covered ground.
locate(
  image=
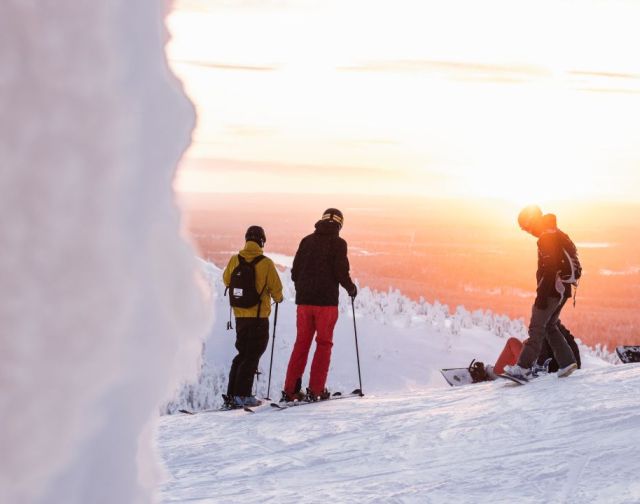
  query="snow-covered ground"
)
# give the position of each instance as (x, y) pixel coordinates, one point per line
(570, 440)
(412, 438)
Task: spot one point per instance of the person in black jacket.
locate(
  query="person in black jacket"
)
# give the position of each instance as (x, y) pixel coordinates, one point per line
(320, 266)
(555, 252)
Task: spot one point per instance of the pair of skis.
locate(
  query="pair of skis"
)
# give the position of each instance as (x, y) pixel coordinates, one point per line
(335, 396)
(217, 410)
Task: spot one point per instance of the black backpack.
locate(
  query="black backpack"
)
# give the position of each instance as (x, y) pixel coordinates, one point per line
(242, 286)
(570, 268)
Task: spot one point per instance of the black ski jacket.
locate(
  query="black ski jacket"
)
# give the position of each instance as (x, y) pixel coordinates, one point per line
(551, 247)
(320, 266)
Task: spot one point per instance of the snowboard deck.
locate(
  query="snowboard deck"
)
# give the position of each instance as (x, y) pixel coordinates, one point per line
(513, 379)
(457, 377)
(628, 354)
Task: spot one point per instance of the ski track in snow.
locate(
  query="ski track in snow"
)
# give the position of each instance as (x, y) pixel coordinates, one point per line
(570, 440)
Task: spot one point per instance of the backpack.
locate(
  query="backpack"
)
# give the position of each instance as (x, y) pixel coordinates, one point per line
(570, 268)
(242, 285)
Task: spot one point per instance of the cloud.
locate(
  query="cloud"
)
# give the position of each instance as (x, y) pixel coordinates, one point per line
(211, 5)
(589, 81)
(633, 270)
(217, 165)
(609, 75)
(455, 70)
(226, 66)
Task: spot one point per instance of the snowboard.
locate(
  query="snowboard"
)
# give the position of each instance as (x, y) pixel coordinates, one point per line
(518, 381)
(457, 376)
(628, 354)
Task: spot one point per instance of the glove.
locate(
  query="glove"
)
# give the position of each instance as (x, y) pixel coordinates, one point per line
(541, 303)
(354, 292)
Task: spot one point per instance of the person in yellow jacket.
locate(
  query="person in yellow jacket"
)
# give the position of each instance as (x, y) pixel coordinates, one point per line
(252, 316)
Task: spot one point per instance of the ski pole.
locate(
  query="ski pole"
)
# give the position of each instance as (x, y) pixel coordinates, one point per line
(273, 341)
(355, 331)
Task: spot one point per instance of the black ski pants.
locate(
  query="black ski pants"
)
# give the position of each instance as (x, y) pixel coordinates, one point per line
(252, 339)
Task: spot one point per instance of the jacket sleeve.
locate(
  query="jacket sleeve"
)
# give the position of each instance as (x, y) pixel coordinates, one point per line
(295, 267)
(226, 275)
(341, 266)
(274, 285)
(549, 267)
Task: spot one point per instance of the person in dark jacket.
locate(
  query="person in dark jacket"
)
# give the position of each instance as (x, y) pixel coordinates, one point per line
(555, 248)
(320, 266)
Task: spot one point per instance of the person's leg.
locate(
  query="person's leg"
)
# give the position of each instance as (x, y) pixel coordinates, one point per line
(538, 332)
(326, 318)
(241, 345)
(546, 353)
(256, 343)
(305, 324)
(508, 356)
(571, 342)
(561, 349)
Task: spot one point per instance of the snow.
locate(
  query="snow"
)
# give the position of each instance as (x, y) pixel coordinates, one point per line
(412, 438)
(568, 440)
(100, 315)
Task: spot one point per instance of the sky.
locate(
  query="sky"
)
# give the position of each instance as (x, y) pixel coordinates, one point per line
(524, 101)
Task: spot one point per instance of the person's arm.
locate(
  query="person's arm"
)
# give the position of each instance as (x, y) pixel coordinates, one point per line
(549, 267)
(295, 268)
(274, 285)
(341, 268)
(226, 275)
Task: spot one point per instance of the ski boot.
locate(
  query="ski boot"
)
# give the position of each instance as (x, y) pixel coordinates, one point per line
(313, 397)
(518, 372)
(247, 401)
(293, 397)
(229, 403)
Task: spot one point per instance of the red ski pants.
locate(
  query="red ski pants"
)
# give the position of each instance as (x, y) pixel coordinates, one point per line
(312, 320)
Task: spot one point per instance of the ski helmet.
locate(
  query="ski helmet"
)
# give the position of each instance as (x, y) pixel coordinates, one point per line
(256, 234)
(528, 217)
(333, 215)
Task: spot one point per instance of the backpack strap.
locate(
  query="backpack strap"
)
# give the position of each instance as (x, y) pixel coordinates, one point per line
(254, 263)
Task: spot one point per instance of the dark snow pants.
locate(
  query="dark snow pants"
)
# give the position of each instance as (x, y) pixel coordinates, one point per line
(547, 353)
(309, 321)
(252, 339)
(544, 326)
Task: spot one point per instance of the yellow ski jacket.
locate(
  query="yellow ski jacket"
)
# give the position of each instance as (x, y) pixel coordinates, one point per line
(266, 275)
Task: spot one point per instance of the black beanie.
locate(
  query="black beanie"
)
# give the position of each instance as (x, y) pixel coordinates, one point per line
(256, 234)
(333, 215)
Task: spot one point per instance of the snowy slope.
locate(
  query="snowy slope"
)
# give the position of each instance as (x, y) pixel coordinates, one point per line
(555, 440)
(411, 438)
(403, 344)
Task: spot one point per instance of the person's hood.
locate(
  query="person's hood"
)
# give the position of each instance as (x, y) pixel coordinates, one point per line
(251, 250)
(326, 227)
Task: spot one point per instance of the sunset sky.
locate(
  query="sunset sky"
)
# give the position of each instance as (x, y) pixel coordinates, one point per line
(526, 101)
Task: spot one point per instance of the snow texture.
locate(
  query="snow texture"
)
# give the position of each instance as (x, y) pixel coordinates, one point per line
(101, 313)
(412, 438)
(560, 440)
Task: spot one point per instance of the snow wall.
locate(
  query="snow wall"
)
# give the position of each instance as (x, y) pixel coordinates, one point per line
(101, 314)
